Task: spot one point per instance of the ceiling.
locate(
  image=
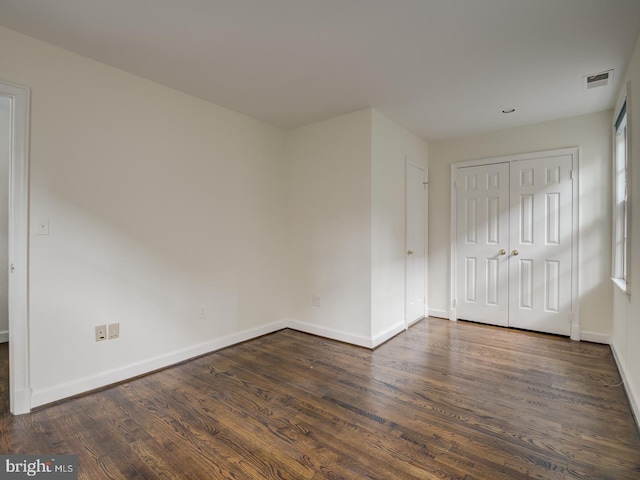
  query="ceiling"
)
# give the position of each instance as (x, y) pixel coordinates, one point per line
(442, 68)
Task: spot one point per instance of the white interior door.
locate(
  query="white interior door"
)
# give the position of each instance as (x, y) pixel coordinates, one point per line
(483, 243)
(540, 251)
(514, 249)
(415, 264)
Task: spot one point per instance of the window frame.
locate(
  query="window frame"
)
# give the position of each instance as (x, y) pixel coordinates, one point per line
(621, 198)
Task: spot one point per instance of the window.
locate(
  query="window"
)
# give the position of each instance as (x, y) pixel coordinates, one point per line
(621, 201)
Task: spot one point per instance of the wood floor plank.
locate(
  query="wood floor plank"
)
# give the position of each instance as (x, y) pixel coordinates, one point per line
(444, 400)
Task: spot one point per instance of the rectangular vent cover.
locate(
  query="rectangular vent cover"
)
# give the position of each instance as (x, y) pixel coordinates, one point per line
(597, 80)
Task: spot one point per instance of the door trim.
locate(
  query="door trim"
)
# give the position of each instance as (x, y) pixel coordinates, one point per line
(19, 379)
(574, 153)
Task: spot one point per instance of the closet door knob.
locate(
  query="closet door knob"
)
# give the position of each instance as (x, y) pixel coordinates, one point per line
(502, 252)
(515, 253)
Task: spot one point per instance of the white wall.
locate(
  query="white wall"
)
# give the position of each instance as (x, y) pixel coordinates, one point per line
(192, 226)
(589, 132)
(329, 175)
(347, 224)
(5, 156)
(159, 204)
(626, 313)
(392, 144)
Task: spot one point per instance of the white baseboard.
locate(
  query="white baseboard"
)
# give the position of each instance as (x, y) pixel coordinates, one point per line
(21, 402)
(388, 333)
(58, 392)
(339, 335)
(574, 332)
(436, 312)
(595, 337)
(628, 386)
(415, 321)
(4, 336)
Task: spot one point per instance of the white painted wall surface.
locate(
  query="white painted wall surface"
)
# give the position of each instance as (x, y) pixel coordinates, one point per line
(159, 204)
(5, 157)
(392, 143)
(329, 175)
(589, 132)
(626, 315)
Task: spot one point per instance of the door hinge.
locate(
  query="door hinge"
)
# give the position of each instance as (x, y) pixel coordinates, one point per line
(571, 174)
(13, 268)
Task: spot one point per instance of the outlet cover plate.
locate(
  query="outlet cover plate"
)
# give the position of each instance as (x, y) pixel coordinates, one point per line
(101, 333)
(114, 330)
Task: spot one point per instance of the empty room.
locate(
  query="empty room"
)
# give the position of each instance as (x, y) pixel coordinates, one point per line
(383, 239)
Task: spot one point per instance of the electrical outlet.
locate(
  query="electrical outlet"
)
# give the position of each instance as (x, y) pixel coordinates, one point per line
(101, 333)
(114, 330)
(203, 312)
(316, 301)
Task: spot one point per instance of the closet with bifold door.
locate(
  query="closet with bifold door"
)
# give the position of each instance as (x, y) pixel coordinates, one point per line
(514, 241)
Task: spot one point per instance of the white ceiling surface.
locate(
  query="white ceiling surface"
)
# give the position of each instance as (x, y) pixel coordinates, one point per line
(442, 68)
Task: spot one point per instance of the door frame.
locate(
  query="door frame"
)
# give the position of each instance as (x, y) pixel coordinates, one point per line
(19, 378)
(425, 200)
(574, 153)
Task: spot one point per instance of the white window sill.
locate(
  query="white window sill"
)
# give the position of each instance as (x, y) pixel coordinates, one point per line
(621, 284)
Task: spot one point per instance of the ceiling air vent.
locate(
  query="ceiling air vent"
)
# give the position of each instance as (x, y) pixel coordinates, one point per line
(597, 80)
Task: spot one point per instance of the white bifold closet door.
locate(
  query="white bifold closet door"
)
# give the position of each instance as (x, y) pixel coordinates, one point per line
(514, 248)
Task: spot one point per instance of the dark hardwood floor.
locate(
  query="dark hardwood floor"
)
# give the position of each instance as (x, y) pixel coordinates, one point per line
(443, 400)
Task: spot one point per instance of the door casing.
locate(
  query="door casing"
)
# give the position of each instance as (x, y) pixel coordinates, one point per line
(19, 378)
(571, 151)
